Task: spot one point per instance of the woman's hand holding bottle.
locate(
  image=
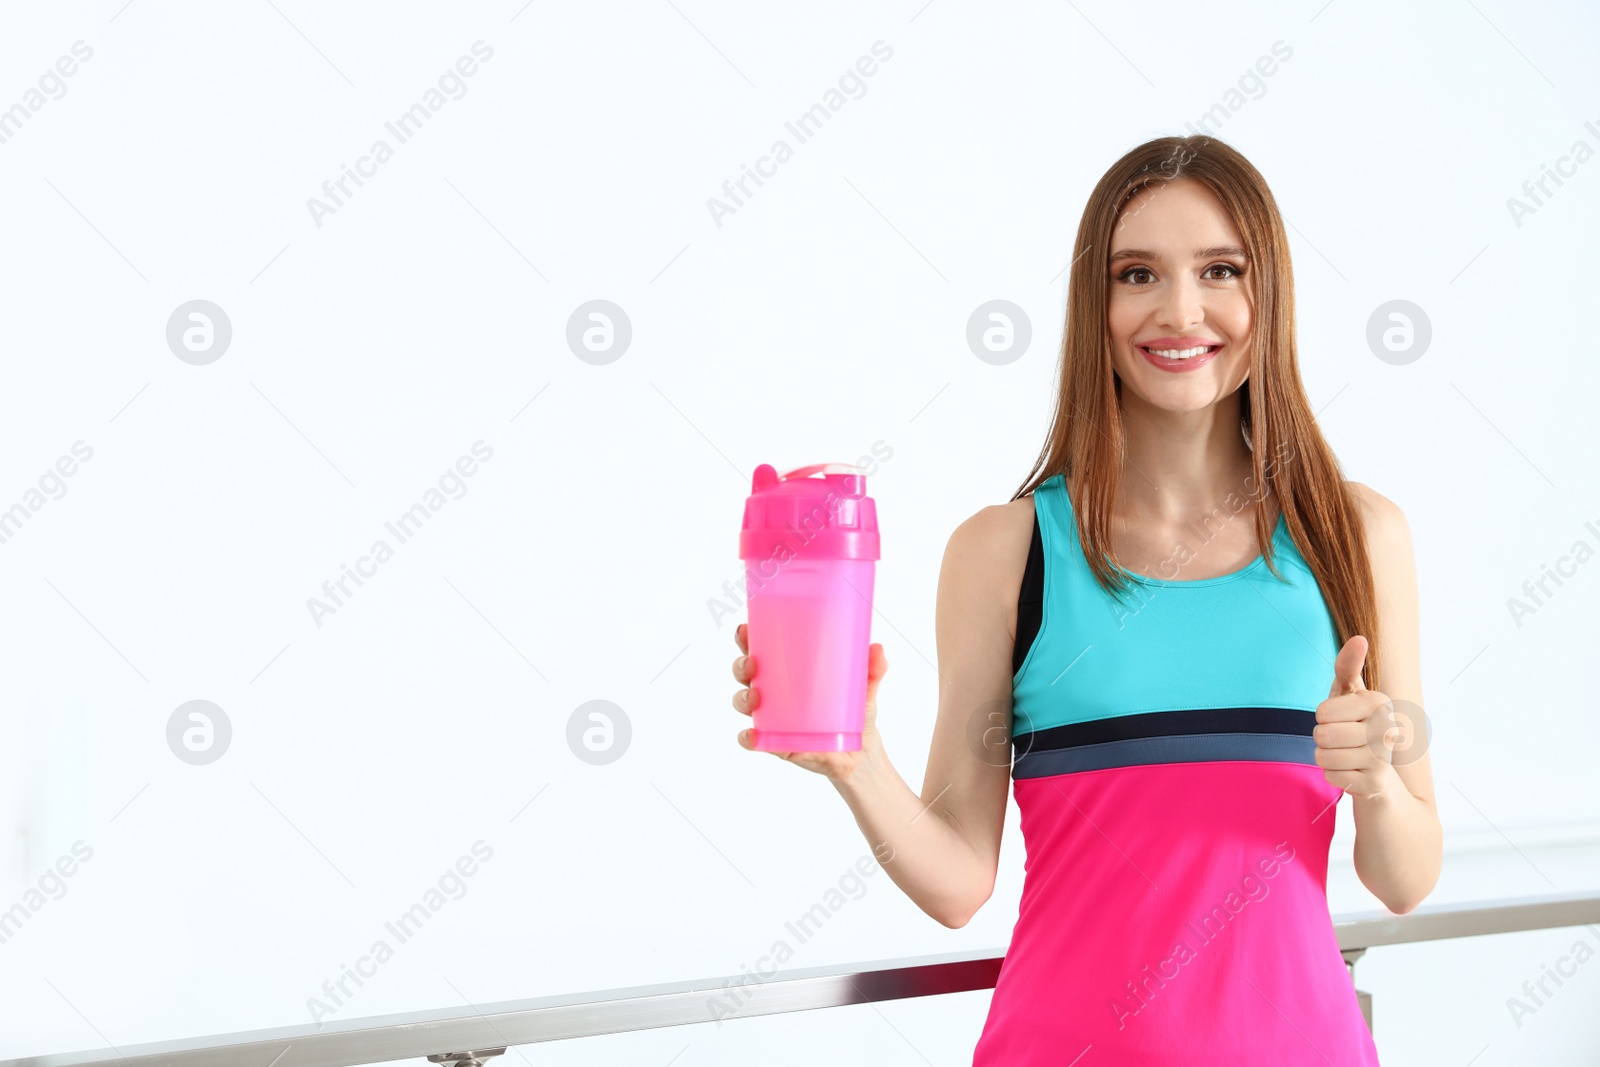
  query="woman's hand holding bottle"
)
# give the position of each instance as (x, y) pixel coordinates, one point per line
(837, 766)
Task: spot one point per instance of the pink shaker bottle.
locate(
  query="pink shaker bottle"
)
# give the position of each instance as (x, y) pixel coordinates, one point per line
(809, 546)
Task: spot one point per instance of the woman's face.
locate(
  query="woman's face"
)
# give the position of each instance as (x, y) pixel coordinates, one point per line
(1179, 281)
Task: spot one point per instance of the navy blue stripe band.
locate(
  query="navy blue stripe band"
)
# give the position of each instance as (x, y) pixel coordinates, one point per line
(1186, 748)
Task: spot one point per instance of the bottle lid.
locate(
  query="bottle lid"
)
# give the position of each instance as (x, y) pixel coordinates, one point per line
(797, 515)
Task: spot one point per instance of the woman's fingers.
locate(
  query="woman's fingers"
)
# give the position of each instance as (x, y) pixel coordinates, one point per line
(743, 666)
(745, 699)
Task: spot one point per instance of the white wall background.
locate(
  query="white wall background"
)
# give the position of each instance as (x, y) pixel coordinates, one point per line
(827, 314)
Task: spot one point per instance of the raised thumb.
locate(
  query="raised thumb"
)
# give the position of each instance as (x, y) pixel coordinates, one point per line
(1348, 666)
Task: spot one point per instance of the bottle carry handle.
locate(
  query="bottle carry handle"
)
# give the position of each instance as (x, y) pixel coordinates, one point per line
(825, 468)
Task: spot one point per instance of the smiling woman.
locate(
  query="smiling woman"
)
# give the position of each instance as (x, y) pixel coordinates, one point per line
(1226, 717)
(1170, 757)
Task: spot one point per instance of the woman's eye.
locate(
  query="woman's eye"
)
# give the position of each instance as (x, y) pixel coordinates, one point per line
(1127, 276)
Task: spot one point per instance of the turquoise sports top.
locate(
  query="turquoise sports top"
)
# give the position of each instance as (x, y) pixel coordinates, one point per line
(1174, 905)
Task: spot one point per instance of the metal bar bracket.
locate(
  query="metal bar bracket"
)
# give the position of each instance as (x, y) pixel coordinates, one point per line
(466, 1059)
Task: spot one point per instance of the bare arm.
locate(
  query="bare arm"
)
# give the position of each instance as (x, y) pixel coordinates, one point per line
(943, 844)
(1398, 836)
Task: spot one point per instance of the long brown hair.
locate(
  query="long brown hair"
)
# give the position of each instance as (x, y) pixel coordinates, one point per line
(1288, 450)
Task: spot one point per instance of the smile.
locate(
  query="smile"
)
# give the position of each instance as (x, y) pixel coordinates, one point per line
(1179, 359)
(1181, 353)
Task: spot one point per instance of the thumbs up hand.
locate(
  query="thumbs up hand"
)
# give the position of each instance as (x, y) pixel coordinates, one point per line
(1356, 730)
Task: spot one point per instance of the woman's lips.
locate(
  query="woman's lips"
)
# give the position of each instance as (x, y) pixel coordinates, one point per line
(1179, 365)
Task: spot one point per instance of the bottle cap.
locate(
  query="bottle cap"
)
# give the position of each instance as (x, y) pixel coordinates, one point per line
(801, 516)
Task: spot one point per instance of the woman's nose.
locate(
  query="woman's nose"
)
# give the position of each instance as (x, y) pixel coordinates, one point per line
(1183, 306)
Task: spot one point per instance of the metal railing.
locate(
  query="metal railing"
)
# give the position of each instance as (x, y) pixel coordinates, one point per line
(462, 1038)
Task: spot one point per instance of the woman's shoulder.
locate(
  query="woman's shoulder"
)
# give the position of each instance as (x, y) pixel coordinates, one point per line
(1379, 514)
(996, 529)
(1388, 534)
(990, 547)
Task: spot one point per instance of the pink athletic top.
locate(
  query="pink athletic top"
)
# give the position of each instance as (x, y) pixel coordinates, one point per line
(1174, 907)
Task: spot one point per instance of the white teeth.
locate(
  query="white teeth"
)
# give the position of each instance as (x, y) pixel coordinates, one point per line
(1181, 353)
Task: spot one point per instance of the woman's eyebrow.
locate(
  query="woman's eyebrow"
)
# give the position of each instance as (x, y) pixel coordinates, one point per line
(1204, 253)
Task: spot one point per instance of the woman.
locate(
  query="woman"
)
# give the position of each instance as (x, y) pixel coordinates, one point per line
(1168, 644)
